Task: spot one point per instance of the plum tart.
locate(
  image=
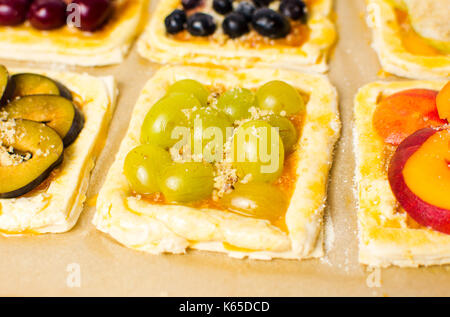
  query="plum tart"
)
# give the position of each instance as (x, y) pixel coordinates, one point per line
(289, 33)
(51, 128)
(411, 37)
(76, 32)
(233, 162)
(402, 145)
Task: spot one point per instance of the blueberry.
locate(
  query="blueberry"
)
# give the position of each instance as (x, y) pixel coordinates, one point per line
(190, 4)
(235, 25)
(246, 9)
(223, 6)
(294, 9)
(269, 23)
(262, 3)
(175, 21)
(201, 24)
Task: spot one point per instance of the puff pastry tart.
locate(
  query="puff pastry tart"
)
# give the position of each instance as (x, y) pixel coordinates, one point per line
(52, 127)
(239, 34)
(94, 33)
(411, 37)
(254, 184)
(402, 146)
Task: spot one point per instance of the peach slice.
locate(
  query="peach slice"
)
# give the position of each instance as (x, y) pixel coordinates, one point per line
(405, 112)
(443, 102)
(419, 175)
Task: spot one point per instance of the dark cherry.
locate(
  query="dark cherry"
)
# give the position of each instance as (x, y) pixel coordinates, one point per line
(223, 6)
(47, 14)
(270, 23)
(13, 12)
(190, 4)
(246, 9)
(294, 9)
(235, 25)
(262, 3)
(201, 24)
(93, 13)
(175, 22)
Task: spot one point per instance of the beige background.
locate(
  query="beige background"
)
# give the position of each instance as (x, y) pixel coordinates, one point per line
(37, 265)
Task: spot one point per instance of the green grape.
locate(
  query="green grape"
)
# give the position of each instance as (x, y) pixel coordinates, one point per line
(187, 182)
(259, 200)
(190, 86)
(287, 131)
(236, 103)
(258, 150)
(209, 127)
(142, 167)
(279, 96)
(165, 115)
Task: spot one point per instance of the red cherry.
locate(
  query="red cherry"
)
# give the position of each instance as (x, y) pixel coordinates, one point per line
(47, 14)
(93, 13)
(13, 12)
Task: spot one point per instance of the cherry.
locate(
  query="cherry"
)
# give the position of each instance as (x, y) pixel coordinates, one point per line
(47, 14)
(13, 12)
(93, 13)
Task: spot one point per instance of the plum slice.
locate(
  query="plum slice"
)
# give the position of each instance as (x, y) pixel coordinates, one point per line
(34, 84)
(6, 85)
(57, 112)
(30, 151)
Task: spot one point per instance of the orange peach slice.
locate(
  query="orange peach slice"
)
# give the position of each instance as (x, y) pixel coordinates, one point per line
(403, 113)
(443, 102)
(419, 175)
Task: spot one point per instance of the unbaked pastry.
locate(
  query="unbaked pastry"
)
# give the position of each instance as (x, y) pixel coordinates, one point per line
(247, 51)
(157, 228)
(56, 206)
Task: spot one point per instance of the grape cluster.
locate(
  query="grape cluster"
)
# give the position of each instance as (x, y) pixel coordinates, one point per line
(238, 18)
(150, 168)
(53, 14)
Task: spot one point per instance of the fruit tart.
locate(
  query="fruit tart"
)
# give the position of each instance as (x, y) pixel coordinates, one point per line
(293, 34)
(412, 37)
(402, 146)
(76, 32)
(52, 127)
(233, 162)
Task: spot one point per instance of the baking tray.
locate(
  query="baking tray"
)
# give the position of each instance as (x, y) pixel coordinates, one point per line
(49, 265)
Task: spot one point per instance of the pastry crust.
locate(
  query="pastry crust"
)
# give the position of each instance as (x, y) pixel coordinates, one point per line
(172, 228)
(393, 56)
(386, 236)
(56, 207)
(157, 46)
(66, 45)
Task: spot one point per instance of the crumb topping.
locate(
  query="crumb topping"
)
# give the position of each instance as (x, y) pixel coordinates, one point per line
(8, 134)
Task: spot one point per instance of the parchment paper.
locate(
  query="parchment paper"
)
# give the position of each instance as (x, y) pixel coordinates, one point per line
(48, 264)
